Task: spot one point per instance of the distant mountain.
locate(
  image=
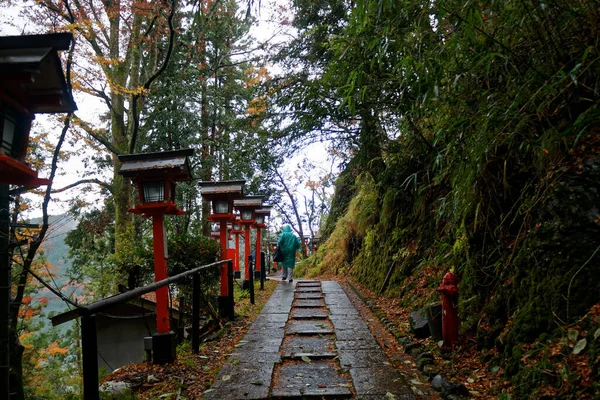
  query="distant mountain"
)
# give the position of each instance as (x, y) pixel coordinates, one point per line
(54, 245)
(57, 251)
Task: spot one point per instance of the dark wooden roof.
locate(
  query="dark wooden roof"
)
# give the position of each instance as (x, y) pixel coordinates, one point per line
(31, 72)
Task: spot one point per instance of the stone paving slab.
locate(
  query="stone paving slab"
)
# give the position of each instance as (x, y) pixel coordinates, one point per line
(309, 313)
(350, 323)
(260, 344)
(351, 334)
(340, 301)
(309, 327)
(242, 381)
(343, 310)
(255, 333)
(271, 317)
(268, 326)
(331, 286)
(248, 355)
(314, 379)
(303, 344)
(309, 303)
(354, 358)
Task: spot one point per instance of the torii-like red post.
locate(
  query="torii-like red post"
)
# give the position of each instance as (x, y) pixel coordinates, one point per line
(155, 175)
(246, 207)
(222, 194)
(236, 230)
(259, 219)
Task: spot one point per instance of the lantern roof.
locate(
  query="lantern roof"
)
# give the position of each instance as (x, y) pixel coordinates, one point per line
(266, 211)
(172, 163)
(211, 190)
(249, 202)
(31, 72)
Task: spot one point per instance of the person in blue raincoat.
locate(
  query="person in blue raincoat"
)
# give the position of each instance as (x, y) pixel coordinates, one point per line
(288, 244)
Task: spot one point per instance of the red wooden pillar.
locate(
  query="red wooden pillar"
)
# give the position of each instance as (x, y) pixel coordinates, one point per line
(223, 237)
(247, 252)
(163, 324)
(236, 260)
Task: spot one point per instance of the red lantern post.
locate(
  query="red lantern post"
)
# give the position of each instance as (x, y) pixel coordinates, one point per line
(246, 207)
(222, 194)
(155, 175)
(237, 231)
(259, 218)
(272, 247)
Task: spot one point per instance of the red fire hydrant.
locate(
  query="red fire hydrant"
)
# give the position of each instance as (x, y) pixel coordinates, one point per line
(449, 292)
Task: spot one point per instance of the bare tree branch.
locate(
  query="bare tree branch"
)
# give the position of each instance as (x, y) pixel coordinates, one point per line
(83, 181)
(299, 230)
(163, 67)
(96, 135)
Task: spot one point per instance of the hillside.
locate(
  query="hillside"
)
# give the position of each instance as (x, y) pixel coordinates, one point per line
(56, 252)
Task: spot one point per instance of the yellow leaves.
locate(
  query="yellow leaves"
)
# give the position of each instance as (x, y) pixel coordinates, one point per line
(117, 88)
(256, 76)
(257, 106)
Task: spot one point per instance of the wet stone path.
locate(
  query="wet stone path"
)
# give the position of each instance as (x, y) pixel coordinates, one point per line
(308, 342)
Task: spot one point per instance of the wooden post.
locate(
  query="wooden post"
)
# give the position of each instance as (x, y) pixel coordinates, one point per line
(263, 271)
(251, 279)
(89, 353)
(231, 310)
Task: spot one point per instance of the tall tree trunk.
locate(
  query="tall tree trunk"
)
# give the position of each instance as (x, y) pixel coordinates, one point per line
(205, 162)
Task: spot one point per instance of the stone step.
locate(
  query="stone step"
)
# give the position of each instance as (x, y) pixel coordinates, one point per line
(308, 303)
(308, 295)
(320, 379)
(309, 313)
(309, 327)
(314, 345)
(308, 284)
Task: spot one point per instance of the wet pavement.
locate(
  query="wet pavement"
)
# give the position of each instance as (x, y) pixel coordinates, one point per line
(309, 342)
